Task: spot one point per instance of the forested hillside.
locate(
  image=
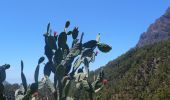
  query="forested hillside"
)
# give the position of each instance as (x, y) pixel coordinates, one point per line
(141, 73)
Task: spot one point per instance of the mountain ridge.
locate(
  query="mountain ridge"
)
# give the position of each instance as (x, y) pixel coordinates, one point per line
(158, 31)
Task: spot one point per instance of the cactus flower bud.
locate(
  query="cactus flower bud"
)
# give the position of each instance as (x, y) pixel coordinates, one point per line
(104, 81)
(97, 52)
(55, 34)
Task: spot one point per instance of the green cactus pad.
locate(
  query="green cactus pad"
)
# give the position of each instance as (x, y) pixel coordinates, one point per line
(23, 78)
(77, 63)
(52, 42)
(47, 69)
(34, 88)
(87, 53)
(48, 27)
(69, 33)
(76, 53)
(60, 71)
(22, 66)
(65, 51)
(75, 33)
(58, 56)
(36, 74)
(62, 39)
(41, 60)
(67, 24)
(90, 44)
(104, 47)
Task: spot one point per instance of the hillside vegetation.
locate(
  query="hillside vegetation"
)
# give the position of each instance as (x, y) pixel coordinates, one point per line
(141, 73)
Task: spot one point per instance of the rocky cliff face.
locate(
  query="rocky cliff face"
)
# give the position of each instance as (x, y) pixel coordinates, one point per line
(158, 31)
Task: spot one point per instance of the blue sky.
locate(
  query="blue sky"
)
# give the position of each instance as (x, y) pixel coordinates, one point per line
(23, 22)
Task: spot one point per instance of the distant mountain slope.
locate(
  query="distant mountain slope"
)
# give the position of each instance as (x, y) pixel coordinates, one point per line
(44, 93)
(158, 31)
(140, 74)
(10, 90)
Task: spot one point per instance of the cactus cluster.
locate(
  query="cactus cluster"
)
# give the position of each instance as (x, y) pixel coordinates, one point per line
(69, 64)
(61, 59)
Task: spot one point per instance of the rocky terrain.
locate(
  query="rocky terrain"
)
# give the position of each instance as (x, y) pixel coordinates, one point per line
(158, 31)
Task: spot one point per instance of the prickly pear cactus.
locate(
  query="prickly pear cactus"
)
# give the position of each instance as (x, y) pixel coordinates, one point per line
(64, 62)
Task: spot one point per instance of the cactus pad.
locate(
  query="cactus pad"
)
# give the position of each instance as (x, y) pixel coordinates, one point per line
(104, 47)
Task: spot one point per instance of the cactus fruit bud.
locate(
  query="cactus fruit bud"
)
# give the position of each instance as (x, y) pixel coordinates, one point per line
(104, 81)
(55, 34)
(97, 52)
